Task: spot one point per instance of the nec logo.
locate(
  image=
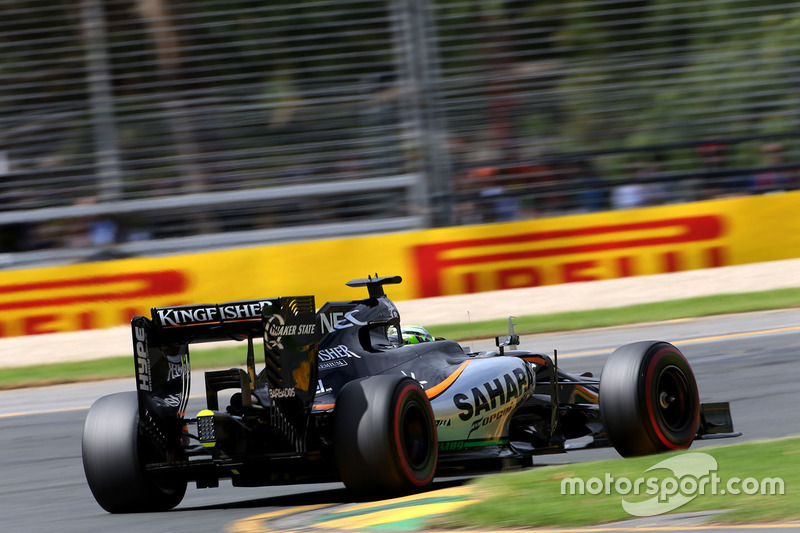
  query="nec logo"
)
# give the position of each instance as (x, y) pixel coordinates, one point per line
(549, 257)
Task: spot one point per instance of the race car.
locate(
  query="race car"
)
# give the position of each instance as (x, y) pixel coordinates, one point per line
(340, 396)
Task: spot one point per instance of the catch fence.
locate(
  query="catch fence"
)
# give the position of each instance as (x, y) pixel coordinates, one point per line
(148, 126)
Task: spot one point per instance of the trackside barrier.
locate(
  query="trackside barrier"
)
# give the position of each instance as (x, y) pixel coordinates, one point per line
(432, 262)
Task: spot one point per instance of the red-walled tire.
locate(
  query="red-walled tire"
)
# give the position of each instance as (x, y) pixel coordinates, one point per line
(112, 461)
(385, 436)
(648, 399)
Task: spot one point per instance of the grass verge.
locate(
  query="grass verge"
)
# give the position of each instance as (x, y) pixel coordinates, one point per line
(107, 368)
(673, 309)
(113, 367)
(534, 497)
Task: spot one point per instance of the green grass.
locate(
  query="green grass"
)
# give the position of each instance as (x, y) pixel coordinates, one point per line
(534, 498)
(674, 309)
(113, 367)
(107, 368)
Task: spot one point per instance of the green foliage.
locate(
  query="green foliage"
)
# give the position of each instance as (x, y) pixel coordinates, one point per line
(592, 75)
(689, 66)
(635, 73)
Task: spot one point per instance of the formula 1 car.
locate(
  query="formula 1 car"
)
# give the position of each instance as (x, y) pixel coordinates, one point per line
(339, 398)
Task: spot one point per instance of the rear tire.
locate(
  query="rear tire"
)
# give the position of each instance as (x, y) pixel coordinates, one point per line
(385, 436)
(112, 460)
(648, 399)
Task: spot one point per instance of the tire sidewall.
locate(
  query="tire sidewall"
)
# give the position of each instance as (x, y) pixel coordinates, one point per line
(410, 400)
(370, 435)
(628, 399)
(110, 450)
(659, 358)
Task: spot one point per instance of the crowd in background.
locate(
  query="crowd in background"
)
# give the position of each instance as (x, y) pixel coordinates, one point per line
(501, 191)
(500, 110)
(506, 192)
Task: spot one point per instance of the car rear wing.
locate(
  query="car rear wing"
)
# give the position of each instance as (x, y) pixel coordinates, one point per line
(288, 326)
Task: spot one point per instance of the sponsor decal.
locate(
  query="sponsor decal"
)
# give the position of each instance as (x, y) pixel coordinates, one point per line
(336, 353)
(175, 372)
(332, 364)
(173, 400)
(273, 332)
(327, 321)
(338, 320)
(549, 257)
(492, 394)
(281, 330)
(452, 446)
(94, 289)
(184, 316)
(459, 445)
(300, 305)
(349, 320)
(85, 302)
(486, 420)
(276, 328)
(143, 375)
(288, 392)
(322, 389)
(445, 422)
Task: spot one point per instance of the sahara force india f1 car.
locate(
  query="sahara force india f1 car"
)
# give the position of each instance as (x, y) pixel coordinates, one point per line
(340, 398)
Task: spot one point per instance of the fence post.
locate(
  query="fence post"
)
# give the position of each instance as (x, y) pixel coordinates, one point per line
(104, 129)
(419, 65)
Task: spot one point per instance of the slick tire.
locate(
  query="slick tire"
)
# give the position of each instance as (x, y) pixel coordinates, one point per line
(649, 401)
(112, 460)
(385, 436)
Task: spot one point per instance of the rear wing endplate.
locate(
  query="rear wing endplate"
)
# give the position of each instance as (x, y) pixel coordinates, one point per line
(290, 333)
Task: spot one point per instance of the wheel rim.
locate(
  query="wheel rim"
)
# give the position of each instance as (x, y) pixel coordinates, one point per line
(414, 436)
(673, 399)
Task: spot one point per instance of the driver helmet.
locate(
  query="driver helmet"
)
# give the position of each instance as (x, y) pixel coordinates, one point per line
(410, 334)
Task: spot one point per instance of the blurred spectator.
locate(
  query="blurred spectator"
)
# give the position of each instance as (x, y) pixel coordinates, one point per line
(92, 231)
(482, 183)
(718, 178)
(558, 189)
(498, 204)
(651, 172)
(629, 196)
(138, 234)
(775, 177)
(637, 192)
(592, 192)
(466, 212)
(530, 180)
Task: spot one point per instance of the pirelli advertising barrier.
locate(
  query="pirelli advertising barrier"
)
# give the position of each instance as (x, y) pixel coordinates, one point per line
(433, 262)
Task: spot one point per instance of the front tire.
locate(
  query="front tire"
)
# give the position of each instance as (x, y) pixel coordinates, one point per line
(649, 401)
(112, 460)
(385, 436)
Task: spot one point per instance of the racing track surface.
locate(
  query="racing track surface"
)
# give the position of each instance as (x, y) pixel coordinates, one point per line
(750, 360)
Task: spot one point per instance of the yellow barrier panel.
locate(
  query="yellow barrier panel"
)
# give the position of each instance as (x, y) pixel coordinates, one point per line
(432, 262)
